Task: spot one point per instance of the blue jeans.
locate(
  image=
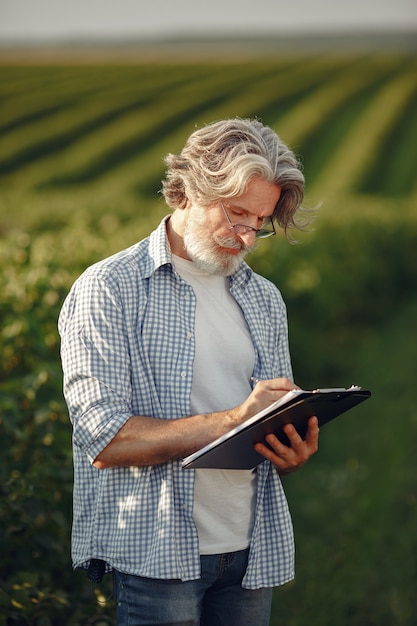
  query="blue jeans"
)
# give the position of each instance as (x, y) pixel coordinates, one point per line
(217, 599)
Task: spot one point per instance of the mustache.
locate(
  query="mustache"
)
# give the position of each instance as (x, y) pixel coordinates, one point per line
(231, 242)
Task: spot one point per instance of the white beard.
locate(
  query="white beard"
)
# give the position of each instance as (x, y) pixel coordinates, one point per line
(205, 250)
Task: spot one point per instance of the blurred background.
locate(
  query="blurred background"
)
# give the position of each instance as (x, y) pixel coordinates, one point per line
(93, 95)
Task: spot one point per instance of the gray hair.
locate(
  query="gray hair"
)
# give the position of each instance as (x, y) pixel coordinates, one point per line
(220, 159)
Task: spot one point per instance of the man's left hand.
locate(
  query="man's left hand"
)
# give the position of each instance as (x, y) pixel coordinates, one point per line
(287, 459)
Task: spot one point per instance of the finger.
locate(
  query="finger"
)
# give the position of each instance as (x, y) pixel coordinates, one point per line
(271, 455)
(296, 441)
(276, 384)
(284, 384)
(294, 455)
(312, 437)
(283, 464)
(274, 450)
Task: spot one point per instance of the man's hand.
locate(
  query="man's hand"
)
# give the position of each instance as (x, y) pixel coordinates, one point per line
(287, 459)
(144, 440)
(264, 393)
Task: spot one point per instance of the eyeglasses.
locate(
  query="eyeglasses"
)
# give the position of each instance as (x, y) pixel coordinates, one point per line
(267, 230)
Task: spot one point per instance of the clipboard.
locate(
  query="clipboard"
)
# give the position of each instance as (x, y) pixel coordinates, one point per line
(235, 450)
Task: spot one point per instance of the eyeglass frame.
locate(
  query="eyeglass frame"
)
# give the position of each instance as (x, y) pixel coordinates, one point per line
(260, 233)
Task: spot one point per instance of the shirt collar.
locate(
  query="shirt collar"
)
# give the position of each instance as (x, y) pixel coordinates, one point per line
(160, 254)
(159, 249)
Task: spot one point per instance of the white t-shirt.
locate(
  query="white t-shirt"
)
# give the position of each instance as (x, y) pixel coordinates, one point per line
(224, 502)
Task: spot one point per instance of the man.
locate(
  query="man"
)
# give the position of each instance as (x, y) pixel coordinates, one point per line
(160, 344)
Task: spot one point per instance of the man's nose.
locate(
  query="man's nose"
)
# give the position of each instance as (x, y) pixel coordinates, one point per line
(248, 238)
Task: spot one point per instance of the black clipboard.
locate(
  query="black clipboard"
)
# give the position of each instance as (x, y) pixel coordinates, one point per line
(235, 450)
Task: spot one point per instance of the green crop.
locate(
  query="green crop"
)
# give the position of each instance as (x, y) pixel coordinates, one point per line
(81, 163)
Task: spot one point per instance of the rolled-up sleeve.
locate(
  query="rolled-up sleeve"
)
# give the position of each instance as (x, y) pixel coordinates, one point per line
(95, 360)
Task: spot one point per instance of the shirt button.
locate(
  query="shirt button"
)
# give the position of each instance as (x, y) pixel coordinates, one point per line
(183, 374)
(189, 335)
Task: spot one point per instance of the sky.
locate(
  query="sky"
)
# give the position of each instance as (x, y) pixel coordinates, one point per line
(52, 20)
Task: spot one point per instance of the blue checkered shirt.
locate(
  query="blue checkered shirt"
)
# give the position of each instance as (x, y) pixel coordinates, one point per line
(127, 330)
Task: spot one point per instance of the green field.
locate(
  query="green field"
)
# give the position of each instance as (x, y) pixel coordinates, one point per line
(81, 160)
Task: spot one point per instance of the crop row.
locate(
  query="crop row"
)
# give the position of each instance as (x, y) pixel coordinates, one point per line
(104, 130)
